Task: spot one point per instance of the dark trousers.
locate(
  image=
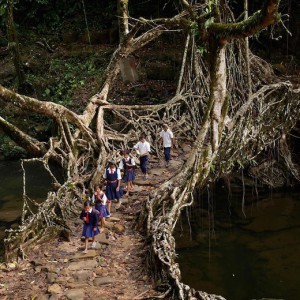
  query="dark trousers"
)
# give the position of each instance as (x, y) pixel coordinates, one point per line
(144, 163)
(167, 153)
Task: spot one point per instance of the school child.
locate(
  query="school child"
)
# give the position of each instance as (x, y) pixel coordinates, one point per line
(100, 199)
(90, 225)
(144, 149)
(112, 176)
(127, 164)
(167, 140)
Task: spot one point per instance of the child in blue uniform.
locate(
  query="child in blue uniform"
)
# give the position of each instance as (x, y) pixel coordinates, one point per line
(112, 176)
(128, 165)
(99, 198)
(90, 224)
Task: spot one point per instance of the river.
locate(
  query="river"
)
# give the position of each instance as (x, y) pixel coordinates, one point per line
(242, 253)
(11, 190)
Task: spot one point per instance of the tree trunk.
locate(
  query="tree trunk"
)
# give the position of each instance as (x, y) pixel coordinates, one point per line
(217, 92)
(14, 44)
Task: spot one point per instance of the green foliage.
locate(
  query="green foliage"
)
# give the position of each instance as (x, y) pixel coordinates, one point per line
(240, 164)
(201, 49)
(253, 162)
(3, 6)
(209, 22)
(68, 76)
(210, 5)
(194, 29)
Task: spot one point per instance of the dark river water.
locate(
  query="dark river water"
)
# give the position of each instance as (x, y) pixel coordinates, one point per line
(242, 253)
(11, 190)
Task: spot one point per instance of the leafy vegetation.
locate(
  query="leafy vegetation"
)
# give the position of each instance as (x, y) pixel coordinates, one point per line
(68, 76)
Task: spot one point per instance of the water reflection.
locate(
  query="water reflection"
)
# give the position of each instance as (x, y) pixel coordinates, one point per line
(243, 257)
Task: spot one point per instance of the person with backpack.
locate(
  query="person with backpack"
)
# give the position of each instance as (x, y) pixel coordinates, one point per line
(112, 177)
(90, 225)
(127, 164)
(167, 141)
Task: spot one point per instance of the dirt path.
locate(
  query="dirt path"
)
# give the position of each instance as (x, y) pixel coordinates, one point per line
(114, 270)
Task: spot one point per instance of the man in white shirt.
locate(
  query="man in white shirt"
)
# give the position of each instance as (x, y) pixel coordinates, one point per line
(144, 149)
(167, 140)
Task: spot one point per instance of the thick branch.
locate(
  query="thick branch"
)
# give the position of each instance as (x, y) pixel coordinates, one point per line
(127, 47)
(260, 20)
(45, 108)
(31, 145)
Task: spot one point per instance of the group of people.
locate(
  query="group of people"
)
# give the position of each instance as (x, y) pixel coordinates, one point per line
(112, 177)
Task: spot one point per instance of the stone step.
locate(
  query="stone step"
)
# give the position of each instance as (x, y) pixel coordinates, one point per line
(101, 238)
(109, 225)
(74, 285)
(75, 294)
(78, 256)
(158, 171)
(114, 219)
(174, 164)
(82, 275)
(83, 265)
(142, 182)
(54, 289)
(98, 281)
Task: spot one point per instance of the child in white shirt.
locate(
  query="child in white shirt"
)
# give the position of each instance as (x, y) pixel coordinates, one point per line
(144, 149)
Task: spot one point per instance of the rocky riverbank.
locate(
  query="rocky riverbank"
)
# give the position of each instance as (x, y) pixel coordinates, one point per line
(114, 270)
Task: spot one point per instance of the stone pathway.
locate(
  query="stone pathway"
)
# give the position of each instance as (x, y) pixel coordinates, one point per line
(115, 269)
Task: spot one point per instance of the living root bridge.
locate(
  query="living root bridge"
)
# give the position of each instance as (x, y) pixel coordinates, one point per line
(243, 137)
(229, 129)
(244, 141)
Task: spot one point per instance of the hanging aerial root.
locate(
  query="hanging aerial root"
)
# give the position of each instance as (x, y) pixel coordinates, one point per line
(37, 227)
